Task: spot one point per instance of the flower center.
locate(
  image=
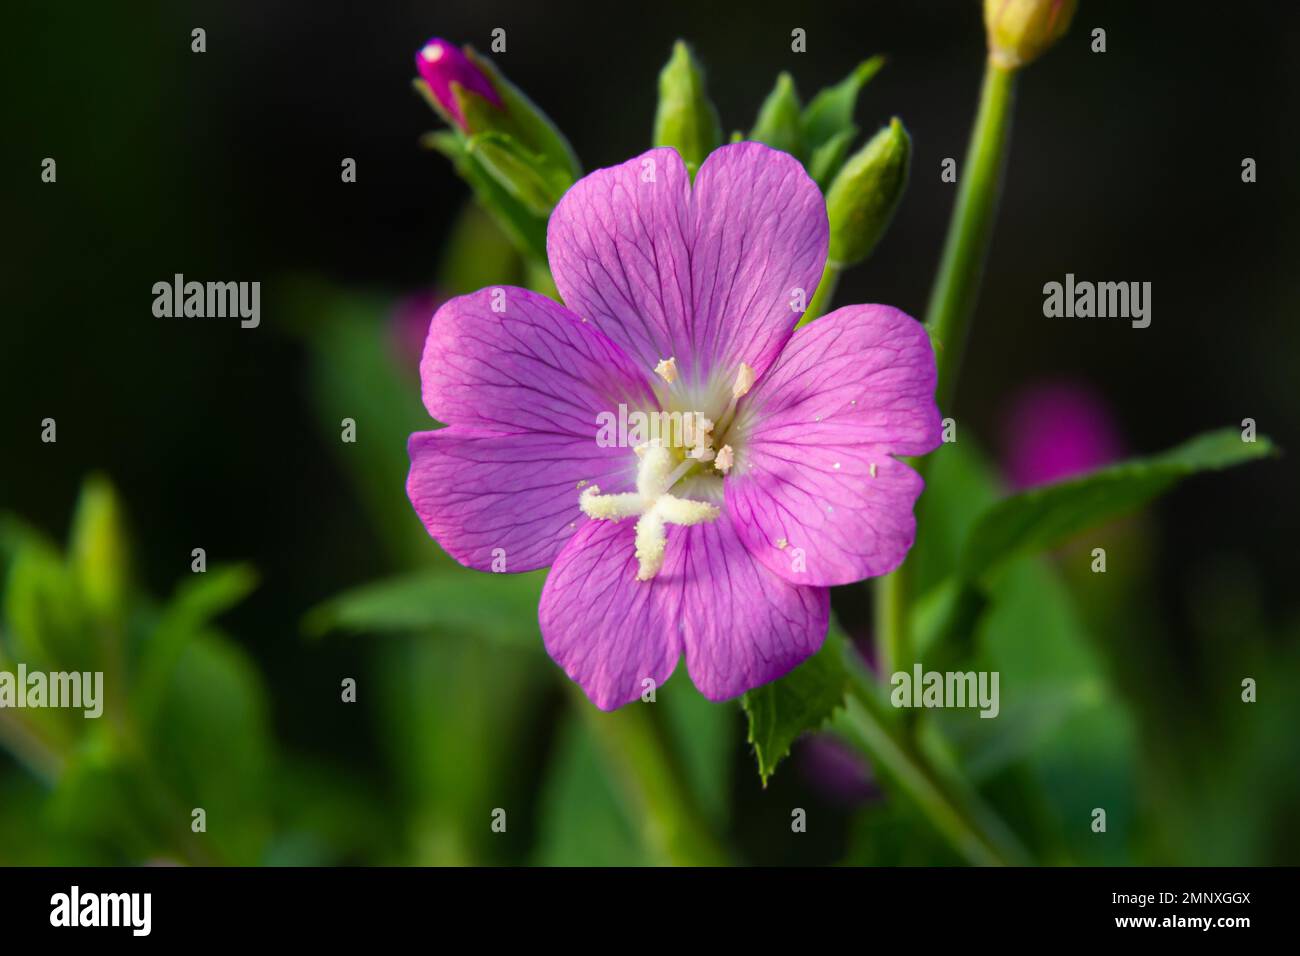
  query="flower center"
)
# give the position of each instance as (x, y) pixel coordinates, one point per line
(663, 464)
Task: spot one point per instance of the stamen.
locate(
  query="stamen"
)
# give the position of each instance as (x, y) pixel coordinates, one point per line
(739, 389)
(667, 370)
(652, 505)
(744, 381)
(726, 458)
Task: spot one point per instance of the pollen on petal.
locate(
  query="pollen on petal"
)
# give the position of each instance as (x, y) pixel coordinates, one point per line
(667, 370)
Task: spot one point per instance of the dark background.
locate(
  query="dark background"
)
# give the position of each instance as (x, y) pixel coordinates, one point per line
(1124, 166)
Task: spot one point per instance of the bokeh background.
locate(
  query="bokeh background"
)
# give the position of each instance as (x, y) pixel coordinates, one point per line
(225, 165)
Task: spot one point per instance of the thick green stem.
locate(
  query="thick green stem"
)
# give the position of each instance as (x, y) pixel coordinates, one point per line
(955, 811)
(952, 305)
(653, 786)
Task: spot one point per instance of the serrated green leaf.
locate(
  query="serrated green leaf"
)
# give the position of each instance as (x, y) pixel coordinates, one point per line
(1046, 516)
(802, 700)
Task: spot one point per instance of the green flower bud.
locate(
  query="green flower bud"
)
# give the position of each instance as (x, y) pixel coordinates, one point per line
(865, 193)
(1020, 31)
(686, 119)
(98, 553)
(780, 119)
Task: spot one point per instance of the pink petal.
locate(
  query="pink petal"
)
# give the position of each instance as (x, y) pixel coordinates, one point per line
(609, 631)
(508, 359)
(849, 392)
(706, 277)
(740, 625)
(489, 497)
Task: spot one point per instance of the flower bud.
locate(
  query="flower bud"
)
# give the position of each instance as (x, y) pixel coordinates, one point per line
(780, 119)
(865, 193)
(443, 68)
(99, 550)
(1020, 31)
(686, 119)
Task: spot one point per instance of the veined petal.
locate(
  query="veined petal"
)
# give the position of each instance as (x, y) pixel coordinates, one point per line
(711, 277)
(739, 625)
(508, 359)
(742, 625)
(760, 244)
(609, 631)
(492, 497)
(816, 492)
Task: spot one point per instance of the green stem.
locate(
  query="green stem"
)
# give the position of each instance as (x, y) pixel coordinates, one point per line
(821, 300)
(956, 287)
(952, 306)
(972, 829)
(652, 785)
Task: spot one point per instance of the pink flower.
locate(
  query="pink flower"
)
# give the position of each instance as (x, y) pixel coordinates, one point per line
(441, 65)
(723, 545)
(1055, 431)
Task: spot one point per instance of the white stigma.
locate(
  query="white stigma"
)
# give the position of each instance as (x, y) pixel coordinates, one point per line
(653, 507)
(667, 370)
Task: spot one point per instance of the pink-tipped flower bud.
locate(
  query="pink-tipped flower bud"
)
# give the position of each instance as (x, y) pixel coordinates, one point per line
(1020, 31)
(442, 66)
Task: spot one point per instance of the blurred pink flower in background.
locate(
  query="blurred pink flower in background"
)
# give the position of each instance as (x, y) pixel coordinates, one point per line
(836, 770)
(1056, 430)
(409, 327)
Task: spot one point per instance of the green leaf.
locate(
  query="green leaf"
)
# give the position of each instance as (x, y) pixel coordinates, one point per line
(827, 158)
(1044, 517)
(500, 607)
(516, 170)
(45, 623)
(525, 227)
(780, 121)
(197, 601)
(831, 111)
(582, 819)
(802, 700)
(532, 126)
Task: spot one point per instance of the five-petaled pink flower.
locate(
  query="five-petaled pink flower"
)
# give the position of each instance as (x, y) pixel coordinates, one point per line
(722, 547)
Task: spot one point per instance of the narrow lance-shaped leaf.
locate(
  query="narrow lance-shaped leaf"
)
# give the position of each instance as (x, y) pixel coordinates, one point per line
(831, 110)
(1044, 517)
(498, 607)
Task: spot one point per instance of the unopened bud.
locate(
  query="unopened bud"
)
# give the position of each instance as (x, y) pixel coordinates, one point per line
(443, 67)
(1020, 31)
(865, 193)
